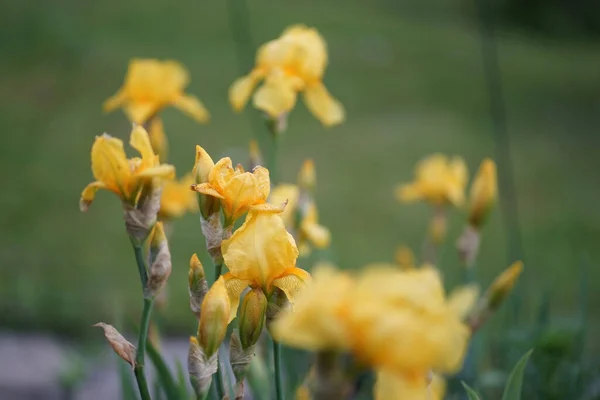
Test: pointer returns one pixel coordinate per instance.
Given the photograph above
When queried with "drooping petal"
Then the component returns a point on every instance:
(390, 386)
(109, 162)
(89, 193)
(261, 249)
(192, 106)
(242, 88)
(292, 281)
(140, 141)
(115, 101)
(408, 193)
(319, 101)
(235, 287)
(140, 112)
(158, 138)
(275, 97)
(175, 77)
(206, 189)
(163, 171)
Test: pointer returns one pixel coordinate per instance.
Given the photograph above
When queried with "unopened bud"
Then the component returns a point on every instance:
(307, 178)
(484, 192)
(140, 219)
(160, 262)
(214, 234)
(240, 358)
(158, 138)
(255, 156)
(197, 285)
(405, 258)
(252, 316)
(468, 245)
(214, 317)
(503, 284)
(120, 345)
(277, 303)
(201, 368)
(209, 205)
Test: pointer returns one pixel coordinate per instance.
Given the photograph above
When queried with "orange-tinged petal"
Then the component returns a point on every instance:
(235, 287)
(89, 193)
(323, 106)
(192, 106)
(292, 281)
(206, 189)
(242, 88)
(220, 175)
(140, 141)
(109, 163)
(163, 171)
(260, 250)
(140, 112)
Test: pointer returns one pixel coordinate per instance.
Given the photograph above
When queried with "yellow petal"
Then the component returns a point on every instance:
(158, 138)
(141, 112)
(286, 193)
(206, 189)
(391, 386)
(462, 300)
(268, 208)
(88, 194)
(234, 287)
(291, 281)
(163, 171)
(114, 101)
(109, 163)
(140, 141)
(408, 193)
(318, 235)
(220, 174)
(192, 106)
(275, 97)
(263, 182)
(323, 106)
(260, 250)
(241, 89)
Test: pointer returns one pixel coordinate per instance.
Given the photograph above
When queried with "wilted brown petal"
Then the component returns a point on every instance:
(120, 345)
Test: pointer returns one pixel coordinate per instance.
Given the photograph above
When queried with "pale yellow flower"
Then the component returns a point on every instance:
(304, 222)
(401, 387)
(295, 62)
(150, 85)
(398, 322)
(484, 192)
(238, 190)
(262, 254)
(438, 181)
(124, 177)
(463, 299)
(177, 198)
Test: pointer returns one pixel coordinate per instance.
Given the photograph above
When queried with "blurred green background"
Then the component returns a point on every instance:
(411, 79)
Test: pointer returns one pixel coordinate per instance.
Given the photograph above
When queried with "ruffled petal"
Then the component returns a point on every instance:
(88, 195)
(109, 162)
(323, 106)
(241, 89)
(263, 182)
(292, 281)
(268, 208)
(208, 190)
(235, 287)
(221, 174)
(193, 107)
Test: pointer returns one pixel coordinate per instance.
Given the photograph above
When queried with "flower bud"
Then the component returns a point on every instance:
(160, 262)
(197, 285)
(503, 284)
(251, 317)
(209, 205)
(200, 368)
(214, 318)
(307, 177)
(240, 358)
(255, 156)
(405, 258)
(140, 219)
(120, 345)
(484, 192)
(277, 303)
(214, 234)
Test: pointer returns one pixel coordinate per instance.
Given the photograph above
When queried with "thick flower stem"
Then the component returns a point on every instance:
(140, 375)
(277, 362)
(218, 381)
(139, 258)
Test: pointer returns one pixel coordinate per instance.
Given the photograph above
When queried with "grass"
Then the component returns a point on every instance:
(411, 80)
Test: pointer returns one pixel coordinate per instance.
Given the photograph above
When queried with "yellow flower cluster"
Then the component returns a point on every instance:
(295, 62)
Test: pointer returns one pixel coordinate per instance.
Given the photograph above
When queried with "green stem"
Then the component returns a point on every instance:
(141, 264)
(277, 362)
(140, 376)
(273, 157)
(218, 381)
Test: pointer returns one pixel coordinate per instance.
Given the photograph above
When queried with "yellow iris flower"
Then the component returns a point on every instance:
(398, 322)
(177, 198)
(295, 62)
(438, 180)
(306, 225)
(124, 177)
(150, 85)
(484, 192)
(262, 254)
(238, 190)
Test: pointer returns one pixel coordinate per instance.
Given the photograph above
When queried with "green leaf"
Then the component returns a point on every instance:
(512, 390)
(162, 371)
(182, 379)
(470, 392)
